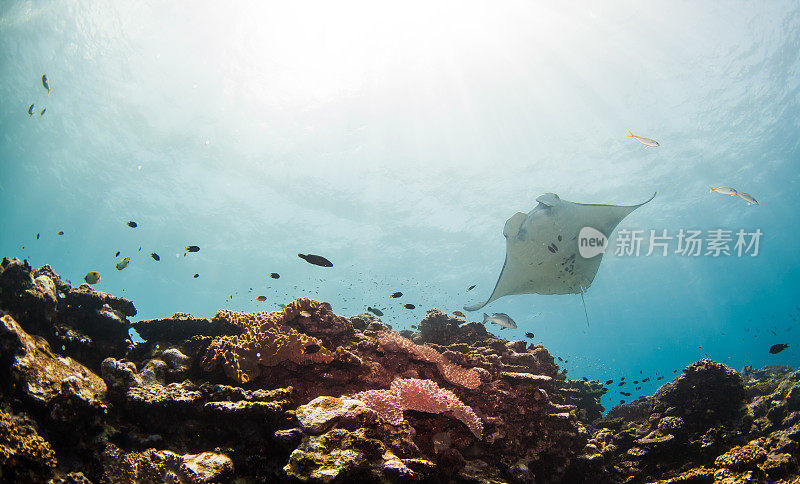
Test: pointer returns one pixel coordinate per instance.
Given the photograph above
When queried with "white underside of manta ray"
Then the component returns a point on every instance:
(542, 254)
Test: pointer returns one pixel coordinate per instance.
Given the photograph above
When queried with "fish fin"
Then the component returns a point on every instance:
(711, 189)
(629, 133)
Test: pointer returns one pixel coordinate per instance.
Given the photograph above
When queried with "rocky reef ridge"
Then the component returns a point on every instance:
(305, 395)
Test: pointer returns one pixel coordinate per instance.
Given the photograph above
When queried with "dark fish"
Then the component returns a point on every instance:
(414, 326)
(396, 294)
(131, 224)
(559, 358)
(261, 298)
(471, 288)
(621, 383)
(775, 349)
(155, 256)
(674, 371)
(626, 394)
(621, 402)
(609, 382)
(46, 84)
(117, 254)
(30, 110)
(192, 248)
(317, 260)
(375, 311)
(274, 275)
(459, 314)
(37, 236)
(646, 380)
(635, 382)
(660, 378)
(409, 306)
(585, 379)
(42, 113)
(311, 349)
(60, 232)
(529, 335)
(196, 276)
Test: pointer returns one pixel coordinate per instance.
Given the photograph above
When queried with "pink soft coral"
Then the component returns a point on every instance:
(422, 396)
(467, 378)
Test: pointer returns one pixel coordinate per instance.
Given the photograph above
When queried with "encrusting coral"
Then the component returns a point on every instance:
(422, 396)
(266, 341)
(455, 374)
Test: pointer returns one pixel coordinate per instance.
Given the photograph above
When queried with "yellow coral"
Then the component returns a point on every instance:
(267, 341)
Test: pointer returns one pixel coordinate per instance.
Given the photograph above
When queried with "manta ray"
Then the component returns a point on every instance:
(542, 252)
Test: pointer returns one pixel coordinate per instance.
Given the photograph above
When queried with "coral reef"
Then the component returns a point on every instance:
(422, 396)
(304, 395)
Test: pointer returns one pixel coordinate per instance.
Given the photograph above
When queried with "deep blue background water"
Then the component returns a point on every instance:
(396, 141)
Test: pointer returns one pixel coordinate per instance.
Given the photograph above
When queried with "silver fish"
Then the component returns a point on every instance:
(501, 319)
(724, 190)
(748, 198)
(643, 140)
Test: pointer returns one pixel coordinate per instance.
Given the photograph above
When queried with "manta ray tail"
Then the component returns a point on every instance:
(584, 308)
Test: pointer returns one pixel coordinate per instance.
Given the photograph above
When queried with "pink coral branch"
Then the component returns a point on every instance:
(455, 374)
(422, 396)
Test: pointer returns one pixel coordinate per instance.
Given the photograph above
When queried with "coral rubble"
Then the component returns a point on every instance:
(305, 395)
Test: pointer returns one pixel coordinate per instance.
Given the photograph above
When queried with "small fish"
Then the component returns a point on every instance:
(317, 260)
(192, 248)
(305, 314)
(626, 394)
(414, 326)
(660, 378)
(375, 311)
(775, 349)
(748, 198)
(46, 84)
(396, 294)
(123, 263)
(131, 224)
(92, 277)
(529, 335)
(42, 112)
(646, 380)
(674, 371)
(621, 383)
(501, 319)
(311, 349)
(117, 254)
(585, 379)
(274, 275)
(609, 382)
(196, 276)
(37, 236)
(60, 232)
(459, 314)
(30, 110)
(724, 190)
(261, 298)
(471, 287)
(645, 141)
(155, 256)
(559, 359)
(409, 306)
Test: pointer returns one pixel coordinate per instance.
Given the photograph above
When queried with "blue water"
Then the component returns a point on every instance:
(396, 140)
